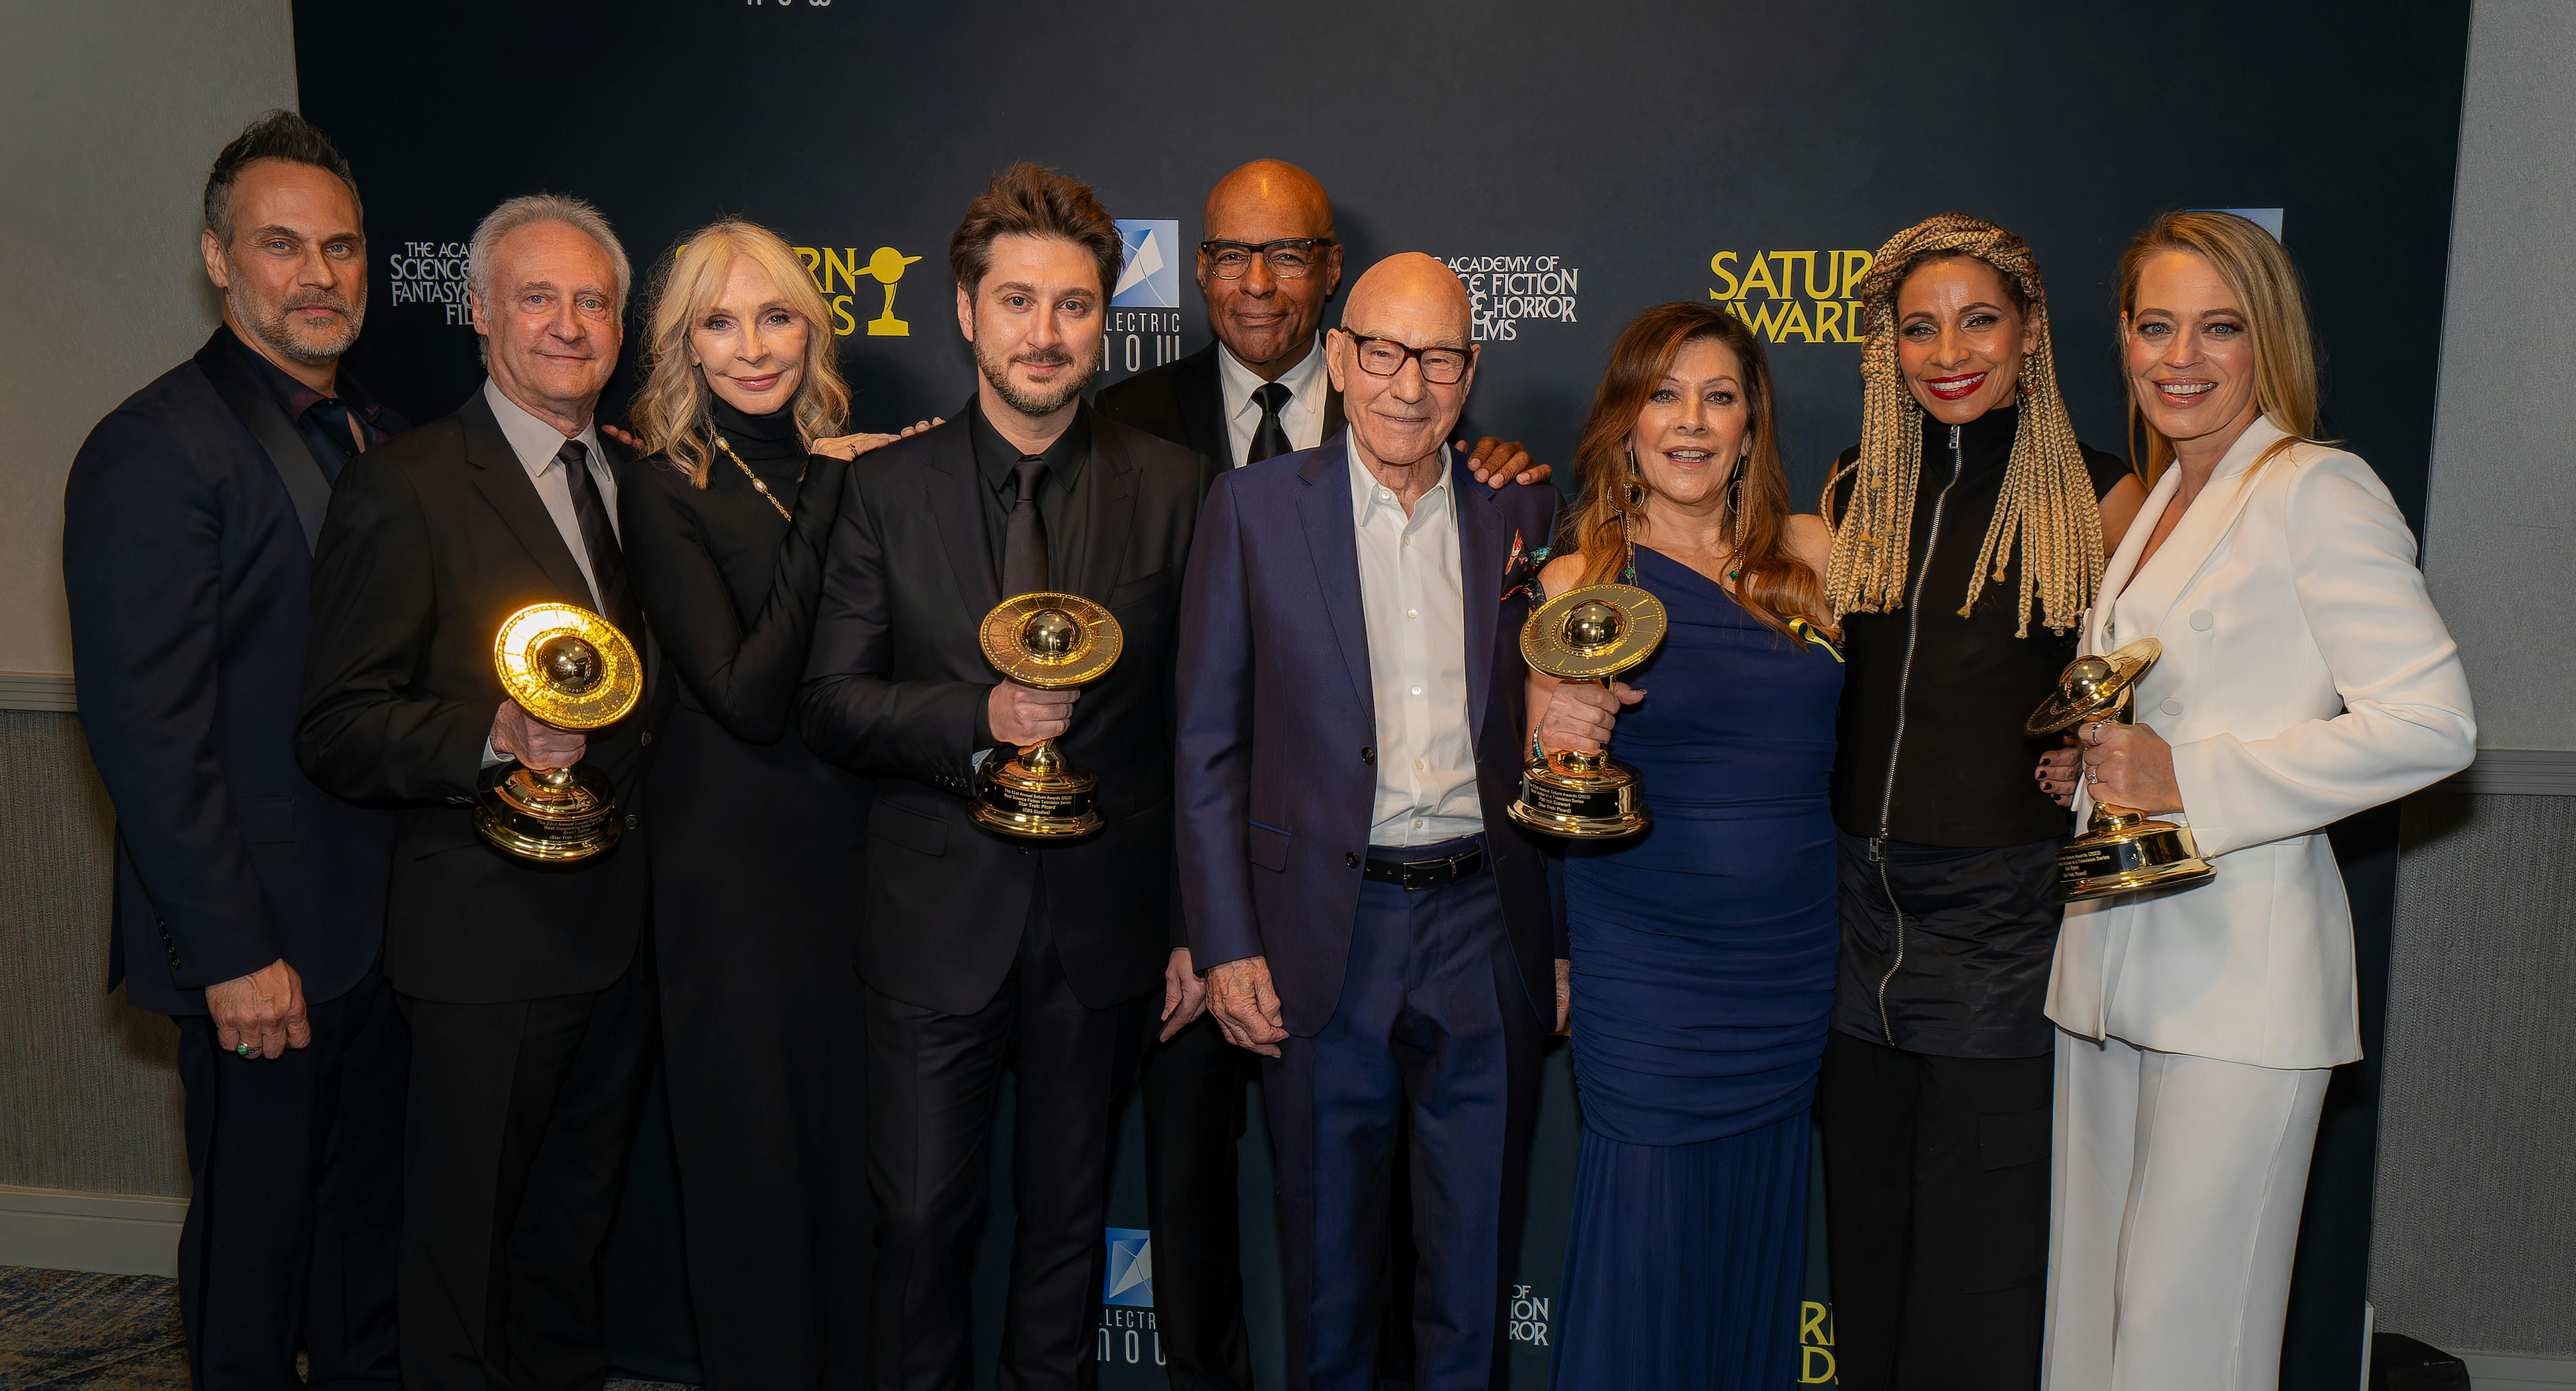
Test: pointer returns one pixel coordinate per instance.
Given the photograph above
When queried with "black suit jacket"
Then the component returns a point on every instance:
(1184, 402)
(896, 680)
(186, 564)
(432, 540)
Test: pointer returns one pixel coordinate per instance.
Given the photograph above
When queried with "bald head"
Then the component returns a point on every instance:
(1265, 200)
(1412, 299)
(1399, 420)
(1268, 322)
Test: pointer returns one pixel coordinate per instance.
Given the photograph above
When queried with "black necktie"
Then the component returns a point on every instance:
(1269, 437)
(1024, 547)
(607, 563)
(336, 420)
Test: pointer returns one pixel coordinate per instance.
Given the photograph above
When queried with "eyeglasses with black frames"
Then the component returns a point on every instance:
(1290, 258)
(1384, 357)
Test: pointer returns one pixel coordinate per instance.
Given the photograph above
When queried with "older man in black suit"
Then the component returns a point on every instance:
(529, 987)
(249, 903)
(980, 952)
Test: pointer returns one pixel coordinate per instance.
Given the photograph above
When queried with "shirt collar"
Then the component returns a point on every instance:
(1239, 381)
(292, 396)
(1366, 490)
(996, 457)
(533, 440)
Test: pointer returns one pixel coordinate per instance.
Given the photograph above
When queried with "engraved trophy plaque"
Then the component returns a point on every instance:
(1590, 633)
(1050, 641)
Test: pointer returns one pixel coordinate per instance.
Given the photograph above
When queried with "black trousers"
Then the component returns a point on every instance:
(1194, 1115)
(291, 1232)
(521, 1115)
(933, 1082)
(1936, 1212)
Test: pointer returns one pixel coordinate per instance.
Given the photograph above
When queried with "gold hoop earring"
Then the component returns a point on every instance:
(1636, 484)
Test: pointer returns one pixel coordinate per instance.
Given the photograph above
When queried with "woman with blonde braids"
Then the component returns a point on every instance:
(1969, 529)
(753, 837)
(1703, 948)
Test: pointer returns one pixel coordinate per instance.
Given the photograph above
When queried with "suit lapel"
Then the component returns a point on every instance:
(1111, 505)
(1202, 406)
(2124, 561)
(503, 482)
(1480, 564)
(1324, 509)
(308, 488)
(2197, 537)
(951, 487)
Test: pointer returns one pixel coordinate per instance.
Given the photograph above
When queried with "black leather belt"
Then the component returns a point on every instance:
(1416, 876)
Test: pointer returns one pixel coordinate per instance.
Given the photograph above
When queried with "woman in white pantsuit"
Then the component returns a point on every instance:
(2305, 677)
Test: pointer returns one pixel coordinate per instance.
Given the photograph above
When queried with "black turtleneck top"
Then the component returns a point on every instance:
(728, 584)
(1945, 762)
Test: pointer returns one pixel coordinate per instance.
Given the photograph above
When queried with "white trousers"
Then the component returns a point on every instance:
(2174, 1198)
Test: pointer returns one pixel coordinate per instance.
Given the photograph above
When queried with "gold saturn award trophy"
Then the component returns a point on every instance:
(1050, 641)
(572, 669)
(1590, 633)
(2122, 851)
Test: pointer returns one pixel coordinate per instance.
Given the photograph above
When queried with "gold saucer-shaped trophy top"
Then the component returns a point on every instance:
(2093, 688)
(572, 669)
(1050, 641)
(1591, 633)
(2123, 850)
(567, 666)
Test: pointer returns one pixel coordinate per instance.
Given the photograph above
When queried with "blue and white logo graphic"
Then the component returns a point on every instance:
(1130, 1280)
(1152, 277)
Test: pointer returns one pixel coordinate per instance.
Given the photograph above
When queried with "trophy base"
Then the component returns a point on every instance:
(553, 816)
(1581, 798)
(2129, 859)
(1052, 803)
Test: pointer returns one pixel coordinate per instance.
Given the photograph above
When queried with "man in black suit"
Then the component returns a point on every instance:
(1269, 266)
(978, 951)
(529, 988)
(249, 903)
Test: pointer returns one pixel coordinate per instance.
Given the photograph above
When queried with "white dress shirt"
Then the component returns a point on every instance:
(535, 442)
(1415, 608)
(1302, 417)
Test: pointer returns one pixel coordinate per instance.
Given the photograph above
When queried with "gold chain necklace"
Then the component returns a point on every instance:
(771, 498)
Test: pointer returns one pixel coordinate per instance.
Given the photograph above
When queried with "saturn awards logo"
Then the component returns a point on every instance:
(838, 271)
(1144, 328)
(1127, 1332)
(1793, 296)
(430, 272)
(1504, 292)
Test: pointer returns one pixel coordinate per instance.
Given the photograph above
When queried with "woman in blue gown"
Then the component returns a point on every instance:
(1703, 946)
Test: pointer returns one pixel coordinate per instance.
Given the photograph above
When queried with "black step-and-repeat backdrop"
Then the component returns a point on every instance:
(1573, 163)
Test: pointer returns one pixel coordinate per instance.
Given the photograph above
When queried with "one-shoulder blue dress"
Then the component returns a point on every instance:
(1703, 978)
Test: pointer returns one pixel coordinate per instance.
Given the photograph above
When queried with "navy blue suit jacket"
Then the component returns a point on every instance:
(187, 566)
(1278, 724)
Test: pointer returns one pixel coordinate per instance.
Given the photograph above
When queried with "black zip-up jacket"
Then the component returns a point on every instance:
(1932, 757)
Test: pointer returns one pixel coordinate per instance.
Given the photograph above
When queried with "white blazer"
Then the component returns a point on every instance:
(2305, 677)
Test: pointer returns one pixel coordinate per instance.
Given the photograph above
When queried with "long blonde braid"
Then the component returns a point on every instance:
(2047, 503)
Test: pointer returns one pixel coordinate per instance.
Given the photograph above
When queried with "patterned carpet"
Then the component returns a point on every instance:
(79, 1332)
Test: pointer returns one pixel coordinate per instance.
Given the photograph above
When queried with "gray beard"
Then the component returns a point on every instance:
(274, 330)
(997, 372)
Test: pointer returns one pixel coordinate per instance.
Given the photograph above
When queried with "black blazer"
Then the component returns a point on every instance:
(186, 564)
(897, 678)
(432, 540)
(1184, 402)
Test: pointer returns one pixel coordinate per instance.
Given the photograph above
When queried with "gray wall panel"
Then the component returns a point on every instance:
(2477, 1143)
(88, 1097)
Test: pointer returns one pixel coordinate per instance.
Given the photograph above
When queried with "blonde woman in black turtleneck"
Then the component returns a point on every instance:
(1970, 531)
(753, 838)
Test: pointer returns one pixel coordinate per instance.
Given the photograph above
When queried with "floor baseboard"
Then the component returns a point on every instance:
(2495, 1371)
(106, 1233)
